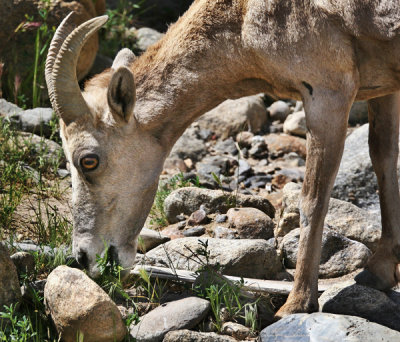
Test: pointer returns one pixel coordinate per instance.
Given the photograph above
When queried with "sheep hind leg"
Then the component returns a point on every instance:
(327, 115)
(382, 271)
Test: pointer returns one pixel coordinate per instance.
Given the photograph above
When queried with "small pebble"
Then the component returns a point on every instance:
(220, 218)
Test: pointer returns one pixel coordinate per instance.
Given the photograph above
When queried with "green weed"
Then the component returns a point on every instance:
(25, 85)
(116, 35)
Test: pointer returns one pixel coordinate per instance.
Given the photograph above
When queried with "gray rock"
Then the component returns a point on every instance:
(226, 146)
(259, 148)
(45, 251)
(189, 146)
(187, 200)
(343, 217)
(327, 327)
(210, 165)
(224, 233)
(354, 223)
(251, 223)
(149, 239)
(24, 262)
(246, 258)
(9, 110)
(352, 299)
(47, 148)
(356, 180)
(36, 120)
(221, 218)
(234, 116)
(296, 124)
(340, 255)
(279, 110)
(10, 291)
(194, 231)
(146, 37)
(78, 305)
(244, 168)
(195, 336)
(181, 314)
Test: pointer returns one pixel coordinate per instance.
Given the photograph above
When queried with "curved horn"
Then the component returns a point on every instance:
(62, 32)
(68, 101)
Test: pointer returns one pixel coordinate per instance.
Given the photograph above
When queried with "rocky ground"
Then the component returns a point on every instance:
(227, 205)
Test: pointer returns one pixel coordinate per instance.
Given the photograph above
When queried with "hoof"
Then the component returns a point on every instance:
(367, 278)
(290, 308)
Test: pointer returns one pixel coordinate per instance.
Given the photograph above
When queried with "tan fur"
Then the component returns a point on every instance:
(326, 53)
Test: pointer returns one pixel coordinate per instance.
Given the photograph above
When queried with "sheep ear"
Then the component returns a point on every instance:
(124, 57)
(121, 93)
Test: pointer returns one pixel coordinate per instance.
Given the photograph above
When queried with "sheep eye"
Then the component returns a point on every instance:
(89, 162)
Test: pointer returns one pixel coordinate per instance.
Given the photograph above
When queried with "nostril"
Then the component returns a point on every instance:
(82, 259)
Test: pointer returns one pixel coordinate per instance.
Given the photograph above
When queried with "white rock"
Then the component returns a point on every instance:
(296, 124)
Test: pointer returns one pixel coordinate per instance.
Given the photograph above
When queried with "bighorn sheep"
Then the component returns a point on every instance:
(119, 130)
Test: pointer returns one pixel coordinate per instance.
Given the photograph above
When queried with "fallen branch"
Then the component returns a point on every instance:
(253, 285)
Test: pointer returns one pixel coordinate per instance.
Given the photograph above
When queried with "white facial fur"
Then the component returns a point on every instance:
(110, 203)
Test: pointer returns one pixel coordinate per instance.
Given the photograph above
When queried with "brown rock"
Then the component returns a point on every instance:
(280, 144)
(234, 116)
(187, 200)
(236, 330)
(251, 223)
(244, 138)
(10, 291)
(78, 305)
(173, 231)
(198, 217)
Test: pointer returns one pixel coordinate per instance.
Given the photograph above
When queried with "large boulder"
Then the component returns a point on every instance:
(180, 314)
(327, 327)
(340, 255)
(356, 180)
(242, 258)
(342, 217)
(188, 200)
(79, 307)
(349, 298)
(234, 116)
(10, 291)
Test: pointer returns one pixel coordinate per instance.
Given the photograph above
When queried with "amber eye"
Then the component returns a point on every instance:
(89, 162)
